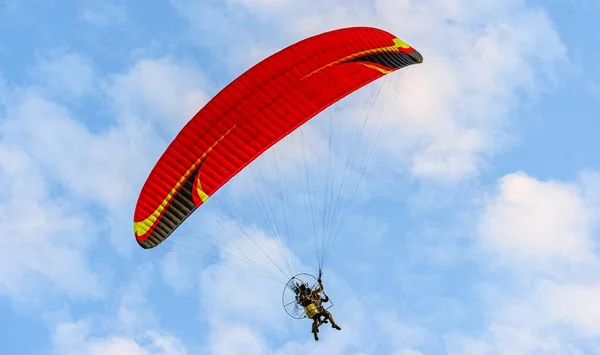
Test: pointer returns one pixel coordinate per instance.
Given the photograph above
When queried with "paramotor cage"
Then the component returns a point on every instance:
(290, 299)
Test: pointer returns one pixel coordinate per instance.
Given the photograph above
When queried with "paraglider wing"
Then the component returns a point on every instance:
(255, 111)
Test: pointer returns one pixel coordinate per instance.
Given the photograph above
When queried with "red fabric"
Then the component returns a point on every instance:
(259, 108)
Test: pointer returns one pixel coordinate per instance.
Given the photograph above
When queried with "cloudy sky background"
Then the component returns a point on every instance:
(476, 227)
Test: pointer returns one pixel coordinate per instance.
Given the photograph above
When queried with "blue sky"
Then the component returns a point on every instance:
(474, 231)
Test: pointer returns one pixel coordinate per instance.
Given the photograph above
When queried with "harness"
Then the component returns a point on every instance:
(310, 308)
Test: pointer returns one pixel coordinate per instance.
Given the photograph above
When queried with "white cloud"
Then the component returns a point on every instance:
(545, 296)
(535, 221)
(572, 304)
(106, 167)
(261, 294)
(134, 313)
(75, 339)
(52, 166)
(402, 336)
(518, 340)
(159, 91)
(177, 272)
(132, 329)
(42, 250)
(55, 139)
(236, 339)
(64, 75)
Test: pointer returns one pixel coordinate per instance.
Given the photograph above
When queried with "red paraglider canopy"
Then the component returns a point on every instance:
(255, 111)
